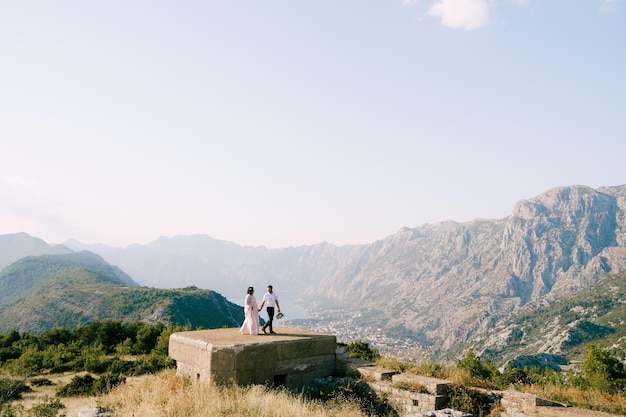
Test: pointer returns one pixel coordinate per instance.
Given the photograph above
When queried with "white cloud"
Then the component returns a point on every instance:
(609, 6)
(464, 14)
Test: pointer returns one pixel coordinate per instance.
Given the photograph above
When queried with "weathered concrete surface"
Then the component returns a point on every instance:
(434, 386)
(292, 357)
(432, 395)
(375, 373)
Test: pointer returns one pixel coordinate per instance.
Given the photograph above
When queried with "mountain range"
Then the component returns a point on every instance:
(65, 289)
(447, 285)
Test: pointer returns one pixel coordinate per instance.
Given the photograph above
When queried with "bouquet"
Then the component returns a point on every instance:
(280, 315)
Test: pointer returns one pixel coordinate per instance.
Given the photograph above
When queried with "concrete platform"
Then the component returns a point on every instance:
(292, 357)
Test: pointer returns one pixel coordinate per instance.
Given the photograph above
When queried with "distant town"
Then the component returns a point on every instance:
(348, 328)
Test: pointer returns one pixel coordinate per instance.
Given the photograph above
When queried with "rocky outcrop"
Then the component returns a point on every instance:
(450, 280)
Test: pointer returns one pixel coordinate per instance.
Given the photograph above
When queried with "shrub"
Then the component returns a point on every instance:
(11, 389)
(514, 376)
(117, 366)
(470, 401)
(7, 353)
(432, 369)
(55, 337)
(10, 411)
(163, 341)
(79, 386)
(602, 371)
(476, 368)
(392, 363)
(41, 382)
(362, 350)
(83, 386)
(151, 364)
(107, 382)
(147, 338)
(47, 408)
(12, 337)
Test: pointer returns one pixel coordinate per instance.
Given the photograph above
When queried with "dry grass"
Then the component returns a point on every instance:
(431, 369)
(170, 395)
(411, 386)
(594, 400)
(39, 394)
(392, 364)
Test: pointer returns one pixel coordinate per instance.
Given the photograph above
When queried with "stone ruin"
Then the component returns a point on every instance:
(431, 400)
(292, 358)
(295, 358)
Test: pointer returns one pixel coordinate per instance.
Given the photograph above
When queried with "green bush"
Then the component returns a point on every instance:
(94, 358)
(152, 364)
(476, 368)
(10, 338)
(7, 353)
(602, 371)
(470, 401)
(79, 386)
(41, 382)
(7, 410)
(47, 408)
(117, 366)
(362, 350)
(55, 337)
(86, 348)
(432, 369)
(163, 341)
(106, 383)
(147, 337)
(514, 376)
(83, 386)
(11, 389)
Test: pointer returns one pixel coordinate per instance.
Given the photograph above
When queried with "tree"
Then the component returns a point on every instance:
(602, 371)
(474, 366)
(10, 338)
(163, 342)
(147, 337)
(55, 337)
(362, 350)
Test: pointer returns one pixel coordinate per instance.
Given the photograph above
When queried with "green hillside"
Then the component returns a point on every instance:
(46, 292)
(21, 277)
(595, 314)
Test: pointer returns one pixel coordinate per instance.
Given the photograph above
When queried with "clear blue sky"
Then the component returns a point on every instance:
(283, 123)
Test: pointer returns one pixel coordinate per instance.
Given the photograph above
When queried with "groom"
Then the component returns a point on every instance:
(272, 300)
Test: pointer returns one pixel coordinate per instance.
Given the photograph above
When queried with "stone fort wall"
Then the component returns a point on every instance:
(292, 357)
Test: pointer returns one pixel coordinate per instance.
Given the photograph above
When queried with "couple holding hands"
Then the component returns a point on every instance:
(251, 310)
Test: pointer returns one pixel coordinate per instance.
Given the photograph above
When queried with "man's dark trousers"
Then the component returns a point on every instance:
(270, 321)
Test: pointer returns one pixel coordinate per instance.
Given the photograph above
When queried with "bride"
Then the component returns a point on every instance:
(251, 311)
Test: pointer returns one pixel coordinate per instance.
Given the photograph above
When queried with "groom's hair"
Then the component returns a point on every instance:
(269, 286)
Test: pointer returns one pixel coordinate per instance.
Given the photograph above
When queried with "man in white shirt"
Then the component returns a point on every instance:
(271, 299)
